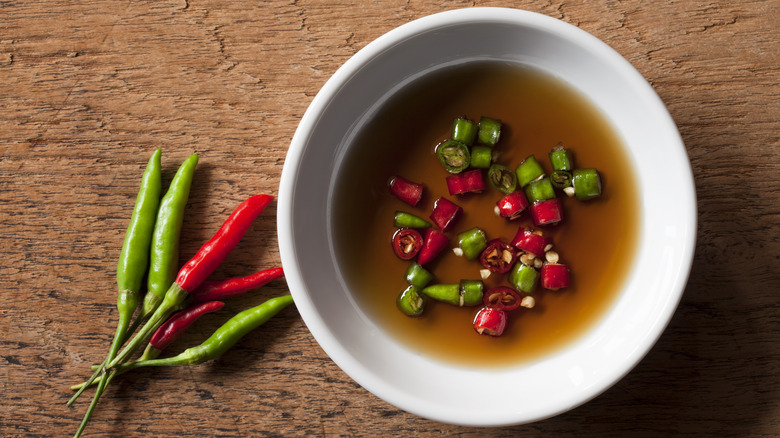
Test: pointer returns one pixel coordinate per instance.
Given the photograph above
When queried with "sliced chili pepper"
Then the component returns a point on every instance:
(471, 292)
(524, 277)
(403, 219)
(561, 179)
(498, 256)
(561, 159)
(411, 302)
(529, 170)
(502, 298)
(549, 212)
(511, 206)
(587, 183)
(472, 242)
(418, 276)
(539, 190)
(502, 178)
(178, 323)
(489, 131)
(530, 241)
(467, 293)
(490, 321)
(464, 130)
(555, 276)
(467, 182)
(407, 243)
(220, 290)
(434, 243)
(481, 156)
(446, 293)
(454, 156)
(405, 190)
(445, 213)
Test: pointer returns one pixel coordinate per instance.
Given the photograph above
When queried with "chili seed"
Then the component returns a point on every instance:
(528, 302)
(551, 256)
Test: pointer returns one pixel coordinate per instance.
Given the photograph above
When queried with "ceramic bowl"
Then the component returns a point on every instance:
(447, 392)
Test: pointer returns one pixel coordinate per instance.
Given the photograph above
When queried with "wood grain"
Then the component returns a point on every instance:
(88, 89)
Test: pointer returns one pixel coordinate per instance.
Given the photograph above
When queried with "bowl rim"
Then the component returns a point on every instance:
(312, 318)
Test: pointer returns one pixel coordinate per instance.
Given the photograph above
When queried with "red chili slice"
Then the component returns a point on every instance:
(530, 241)
(466, 182)
(502, 298)
(548, 212)
(407, 243)
(498, 256)
(512, 205)
(434, 244)
(405, 190)
(445, 212)
(490, 321)
(555, 276)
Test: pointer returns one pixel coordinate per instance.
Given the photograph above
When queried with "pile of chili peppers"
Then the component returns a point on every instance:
(175, 298)
(528, 259)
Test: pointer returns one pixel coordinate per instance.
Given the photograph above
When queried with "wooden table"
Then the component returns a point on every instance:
(88, 89)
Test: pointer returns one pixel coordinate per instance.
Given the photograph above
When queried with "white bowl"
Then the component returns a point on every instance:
(448, 392)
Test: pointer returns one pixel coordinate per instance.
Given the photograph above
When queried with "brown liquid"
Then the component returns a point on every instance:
(597, 239)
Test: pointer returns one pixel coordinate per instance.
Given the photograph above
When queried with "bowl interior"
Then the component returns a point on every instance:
(451, 393)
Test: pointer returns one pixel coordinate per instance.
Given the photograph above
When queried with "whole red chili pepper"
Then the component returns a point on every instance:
(220, 290)
(214, 252)
(178, 323)
(195, 271)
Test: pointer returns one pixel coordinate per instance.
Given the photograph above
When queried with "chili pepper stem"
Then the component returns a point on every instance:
(104, 381)
(173, 298)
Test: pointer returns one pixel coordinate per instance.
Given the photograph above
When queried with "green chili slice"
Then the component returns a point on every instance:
(410, 302)
(481, 156)
(403, 219)
(464, 130)
(539, 190)
(489, 131)
(418, 276)
(454, 156)
(472, 242)
(561, 179)
(447, 293)
(528, 170)
(587, 183)
(466, 293)
(502, 178)
(471, 292)
(524, 277)
(560, 158)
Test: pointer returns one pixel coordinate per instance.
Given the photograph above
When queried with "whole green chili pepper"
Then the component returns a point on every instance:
(134, 257)
(224, 337)
(165, 240)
